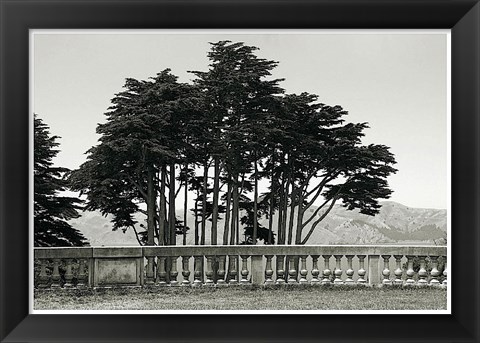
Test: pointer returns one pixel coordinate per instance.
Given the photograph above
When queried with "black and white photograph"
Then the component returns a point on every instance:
(240, 171)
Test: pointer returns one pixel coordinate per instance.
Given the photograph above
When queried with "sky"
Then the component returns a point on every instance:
(397, 82)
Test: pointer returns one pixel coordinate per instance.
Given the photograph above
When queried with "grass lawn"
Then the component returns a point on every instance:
(244, 298)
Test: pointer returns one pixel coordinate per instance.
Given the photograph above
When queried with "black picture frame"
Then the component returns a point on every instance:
(18, 16)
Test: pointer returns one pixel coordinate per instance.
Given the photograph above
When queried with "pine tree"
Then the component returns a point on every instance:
(52, 211)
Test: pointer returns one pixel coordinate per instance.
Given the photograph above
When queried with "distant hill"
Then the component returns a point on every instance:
(395, 224)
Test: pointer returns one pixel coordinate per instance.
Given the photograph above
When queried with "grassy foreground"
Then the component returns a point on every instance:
(241, 298)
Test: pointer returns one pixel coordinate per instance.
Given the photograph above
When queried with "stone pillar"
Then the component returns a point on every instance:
(257, 275)
(373, 270)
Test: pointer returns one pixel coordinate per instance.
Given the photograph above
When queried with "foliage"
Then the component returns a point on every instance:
(51, 210)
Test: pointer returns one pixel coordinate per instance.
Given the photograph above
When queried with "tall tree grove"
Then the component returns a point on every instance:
(238, 148)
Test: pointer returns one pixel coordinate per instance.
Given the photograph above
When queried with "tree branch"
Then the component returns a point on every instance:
(139, 188)
(314, 225)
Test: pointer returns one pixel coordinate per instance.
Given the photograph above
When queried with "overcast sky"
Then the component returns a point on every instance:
(395, 82)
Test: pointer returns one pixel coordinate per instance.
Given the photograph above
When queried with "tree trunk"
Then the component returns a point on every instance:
(185, 205)
(227, 212)
(216, 191)
(204, 202)
(234, 228)
(255, 201)
(151, 206)
(197, 238)
(301, 211)
(162, 213)
(292, 213)
(171, 205)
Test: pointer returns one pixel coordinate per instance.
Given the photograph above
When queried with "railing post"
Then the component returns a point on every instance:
(444, 282)
(349, 272)
(150, 277)
(82, 276)
(303, 270)
(185, 271)
(197, 274)
(268, 271)
(161, 271)
(174, 272)
(209, 272)
(373, 270)
(232, 260)
(338, 270)
(422, 273)
(292, 272)
(398, 271)
(315, 271)
(258, 272)
(326, 271)
(43, 277)
(56, 273)
(410, 272)
(386, 270)
(434, 273)
(280, 259)
(68, 274)
(244, 272)
(221, 271)
(361, 272)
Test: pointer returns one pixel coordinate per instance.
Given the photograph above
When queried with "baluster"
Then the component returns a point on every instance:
(268, 270)
(68, 274)
(435, 272)
(361, 272)
(398, 270)
(303, 270)
(197, 274)
(173, 272)
(326, 271)
(444, 282)
(161, 271)
(56, 273)
(280, 270)
(386, 270)
(221, 271)
(349, 272)
(315, 271)
(185, 271)
(209, 272)
(150, 275)
(338, 270)
(233, 270)
(422, 273)
(410, 272)
(244, 272)
(43, 277)
(292, 272)
(82, 276)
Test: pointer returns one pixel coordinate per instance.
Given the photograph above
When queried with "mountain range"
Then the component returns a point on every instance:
(394, 224)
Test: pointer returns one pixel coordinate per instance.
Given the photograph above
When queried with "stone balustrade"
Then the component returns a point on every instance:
(209, 266)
